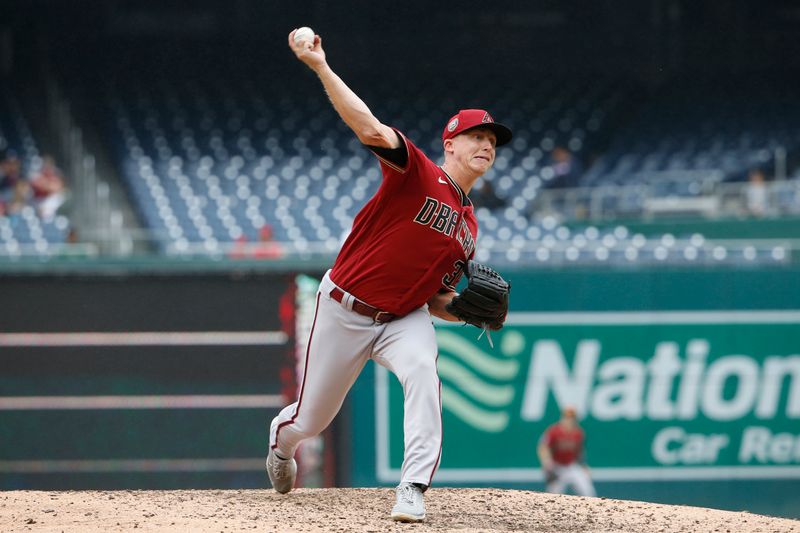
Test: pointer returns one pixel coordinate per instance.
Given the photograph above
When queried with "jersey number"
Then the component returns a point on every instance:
(450, 280)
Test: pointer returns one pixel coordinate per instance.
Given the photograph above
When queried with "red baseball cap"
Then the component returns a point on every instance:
(467, 119)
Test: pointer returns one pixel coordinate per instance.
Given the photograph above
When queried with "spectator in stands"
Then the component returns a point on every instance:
(49, 188)
(566, 167)
(9, 177)
(756, 193)
(265, 248)
(20, 197)
(484, 196)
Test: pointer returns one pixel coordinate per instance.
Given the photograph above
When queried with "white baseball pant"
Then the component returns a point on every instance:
(340, 343)
(572, 474)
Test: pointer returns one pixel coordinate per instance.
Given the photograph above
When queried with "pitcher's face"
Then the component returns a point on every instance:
(474, 149)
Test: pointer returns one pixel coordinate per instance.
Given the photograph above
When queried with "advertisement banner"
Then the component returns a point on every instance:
(667, 395)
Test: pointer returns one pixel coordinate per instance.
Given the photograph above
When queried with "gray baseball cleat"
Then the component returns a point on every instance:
(410, 506)
(282, 472)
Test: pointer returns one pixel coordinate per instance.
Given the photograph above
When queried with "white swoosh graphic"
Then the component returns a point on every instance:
(474, 416)
(498, 369)
(492, 395)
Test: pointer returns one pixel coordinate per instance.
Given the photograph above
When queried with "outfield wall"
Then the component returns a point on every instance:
(119, 380)
(687, 383)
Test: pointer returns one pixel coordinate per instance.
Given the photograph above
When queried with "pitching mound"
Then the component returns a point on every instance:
(360, 510)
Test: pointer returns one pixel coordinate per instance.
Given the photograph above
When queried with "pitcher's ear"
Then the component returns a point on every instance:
(448, 145)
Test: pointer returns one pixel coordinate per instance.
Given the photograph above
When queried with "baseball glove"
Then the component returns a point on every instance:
(484, 303)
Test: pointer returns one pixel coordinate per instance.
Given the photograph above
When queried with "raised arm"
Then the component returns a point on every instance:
(355, 113)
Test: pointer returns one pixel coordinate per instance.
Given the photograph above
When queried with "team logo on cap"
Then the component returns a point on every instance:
(487, 118)
(453, 125)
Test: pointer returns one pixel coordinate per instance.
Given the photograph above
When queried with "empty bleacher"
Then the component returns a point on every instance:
(696, 136)
(210, 163)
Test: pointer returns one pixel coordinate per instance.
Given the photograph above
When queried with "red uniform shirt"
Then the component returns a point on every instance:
(566, 444)
(410, 240)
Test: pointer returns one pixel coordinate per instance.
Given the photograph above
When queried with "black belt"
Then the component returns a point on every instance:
(381, 317)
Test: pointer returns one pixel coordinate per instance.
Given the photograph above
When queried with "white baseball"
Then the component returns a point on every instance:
(304, 34)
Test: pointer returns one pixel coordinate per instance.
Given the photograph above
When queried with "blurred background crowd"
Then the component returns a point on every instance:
(42, 189)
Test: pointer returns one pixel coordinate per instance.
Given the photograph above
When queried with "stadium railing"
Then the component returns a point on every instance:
(704, 198)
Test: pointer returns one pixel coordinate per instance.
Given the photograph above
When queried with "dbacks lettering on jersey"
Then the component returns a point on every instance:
(464, 237)
(440, 217)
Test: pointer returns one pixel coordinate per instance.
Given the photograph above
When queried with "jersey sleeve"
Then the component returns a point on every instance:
(395, 162)
(397, 156)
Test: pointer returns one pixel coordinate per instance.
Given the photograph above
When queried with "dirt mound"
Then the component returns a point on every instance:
(360, 510)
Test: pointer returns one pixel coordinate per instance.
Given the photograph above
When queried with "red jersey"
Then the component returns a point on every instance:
(566, 444)
(410, 240)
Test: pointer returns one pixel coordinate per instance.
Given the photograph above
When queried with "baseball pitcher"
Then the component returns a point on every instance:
(400, 264)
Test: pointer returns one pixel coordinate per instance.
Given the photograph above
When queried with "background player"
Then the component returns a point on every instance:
(399, 265)
(561, 453)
